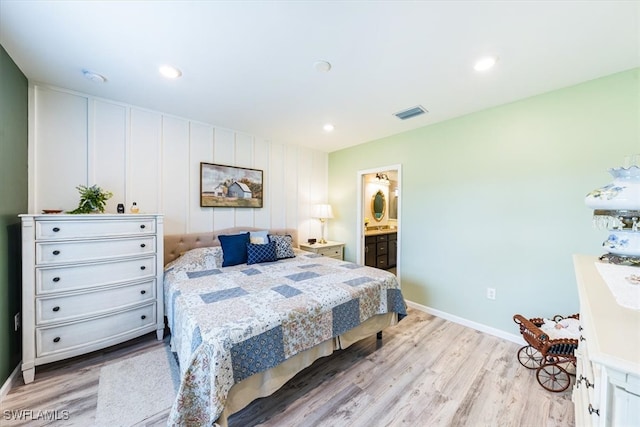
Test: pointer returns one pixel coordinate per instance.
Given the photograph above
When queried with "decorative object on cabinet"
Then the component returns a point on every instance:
(134, 208)
(607, 388)
(92, 199)
(549, 352)
(88, 282)
(617, 208)
(230, 186)
(120, 208)
(378, 205)
(328, 249)
(322, 212)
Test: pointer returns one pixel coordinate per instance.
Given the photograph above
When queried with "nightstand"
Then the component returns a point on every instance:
(329, 249)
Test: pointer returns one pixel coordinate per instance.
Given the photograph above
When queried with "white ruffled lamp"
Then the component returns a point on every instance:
(322, 212)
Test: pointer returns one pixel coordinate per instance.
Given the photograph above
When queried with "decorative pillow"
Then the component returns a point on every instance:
(284, 245)
(257, 253)
(259, 237)
(234, 249)
(198, 259)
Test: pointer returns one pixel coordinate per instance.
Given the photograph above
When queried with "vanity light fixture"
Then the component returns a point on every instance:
(382, 178)
(485, 63)
(170, 72)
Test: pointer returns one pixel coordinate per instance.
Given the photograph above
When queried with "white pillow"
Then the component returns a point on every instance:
(198, 259)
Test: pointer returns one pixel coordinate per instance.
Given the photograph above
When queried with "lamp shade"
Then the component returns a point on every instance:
(322, 211)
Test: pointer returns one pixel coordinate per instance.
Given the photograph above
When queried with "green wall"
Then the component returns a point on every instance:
(13, 201)
(496, 198)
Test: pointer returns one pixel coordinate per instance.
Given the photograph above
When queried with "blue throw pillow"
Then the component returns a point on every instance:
(284, 245)
(257, 253)
(234, 249)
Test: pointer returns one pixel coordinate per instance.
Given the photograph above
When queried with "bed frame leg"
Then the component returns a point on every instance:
(379, 335)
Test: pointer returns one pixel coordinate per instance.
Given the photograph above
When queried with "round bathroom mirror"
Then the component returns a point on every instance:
(378, 205)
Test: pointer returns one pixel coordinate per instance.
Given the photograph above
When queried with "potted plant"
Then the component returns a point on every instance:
(92, 199)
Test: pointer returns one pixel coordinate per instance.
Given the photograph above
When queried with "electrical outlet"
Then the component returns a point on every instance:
(491, 293)
(16, 321)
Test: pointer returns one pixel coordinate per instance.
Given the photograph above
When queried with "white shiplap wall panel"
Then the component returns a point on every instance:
(262, 218)
(175, 174)
(304, 191)
(108, 143)
(154, 159)
(291, 186)
(200, 150)
(144, 160)
(276, 182)
(223, 154)
(244, 158)
(60, 149)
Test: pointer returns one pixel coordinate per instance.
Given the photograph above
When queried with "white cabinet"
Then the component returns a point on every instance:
(607, 388)
(88, 282)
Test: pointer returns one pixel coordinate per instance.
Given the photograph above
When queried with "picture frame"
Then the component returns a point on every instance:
(224, 186)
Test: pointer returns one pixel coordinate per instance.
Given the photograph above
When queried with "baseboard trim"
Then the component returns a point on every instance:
(465, 322)
(13, 378)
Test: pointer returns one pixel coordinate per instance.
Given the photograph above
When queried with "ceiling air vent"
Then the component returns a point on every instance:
(411, 112)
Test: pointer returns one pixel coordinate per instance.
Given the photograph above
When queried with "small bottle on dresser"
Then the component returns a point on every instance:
(134, 208)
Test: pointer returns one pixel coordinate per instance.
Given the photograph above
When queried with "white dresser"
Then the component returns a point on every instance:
(607, 388)
(88, 282)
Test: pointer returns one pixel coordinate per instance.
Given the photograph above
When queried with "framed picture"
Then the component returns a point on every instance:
(223, 186)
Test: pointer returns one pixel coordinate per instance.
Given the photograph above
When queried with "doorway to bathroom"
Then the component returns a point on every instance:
(379, 217)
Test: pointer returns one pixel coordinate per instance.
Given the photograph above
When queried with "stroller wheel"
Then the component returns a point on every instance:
(553, 378)
(529, 357)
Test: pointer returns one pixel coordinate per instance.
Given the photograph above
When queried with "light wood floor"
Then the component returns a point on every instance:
(426, 372)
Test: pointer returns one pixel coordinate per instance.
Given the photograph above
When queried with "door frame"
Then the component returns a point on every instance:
(360, 209)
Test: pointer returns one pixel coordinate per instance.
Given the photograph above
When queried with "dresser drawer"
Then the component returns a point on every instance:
(60, 229)
(93, 303)
(61, 252)
(334, 252)
(58, 339)
(85, 276)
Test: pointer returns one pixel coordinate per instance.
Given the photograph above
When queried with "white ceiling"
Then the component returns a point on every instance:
(248, 66)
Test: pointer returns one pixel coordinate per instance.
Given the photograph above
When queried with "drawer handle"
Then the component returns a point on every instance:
(56, 339)
(143, 267)
(143, 292)
(56, 252)
(593, 411)
(142, 245)
(143, 317)
(56, 308)
(56, 279)
(142, 226)
(56, 229)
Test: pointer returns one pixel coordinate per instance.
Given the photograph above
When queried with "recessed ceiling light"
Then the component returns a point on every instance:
(170, 72)
(322, 66)
(328, 127)
(485, 63)
(94, 77)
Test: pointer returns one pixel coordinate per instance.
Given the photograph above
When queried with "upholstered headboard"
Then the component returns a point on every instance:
(177, 244)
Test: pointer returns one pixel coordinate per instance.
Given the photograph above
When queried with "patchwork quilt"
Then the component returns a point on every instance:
(228, 323)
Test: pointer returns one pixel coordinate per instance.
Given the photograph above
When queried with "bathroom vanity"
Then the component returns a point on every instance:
(380, 248)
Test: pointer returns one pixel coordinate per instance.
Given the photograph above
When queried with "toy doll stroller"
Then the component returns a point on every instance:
(552, 358)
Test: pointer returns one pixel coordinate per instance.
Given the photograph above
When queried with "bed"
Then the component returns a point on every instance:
(241, 331)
